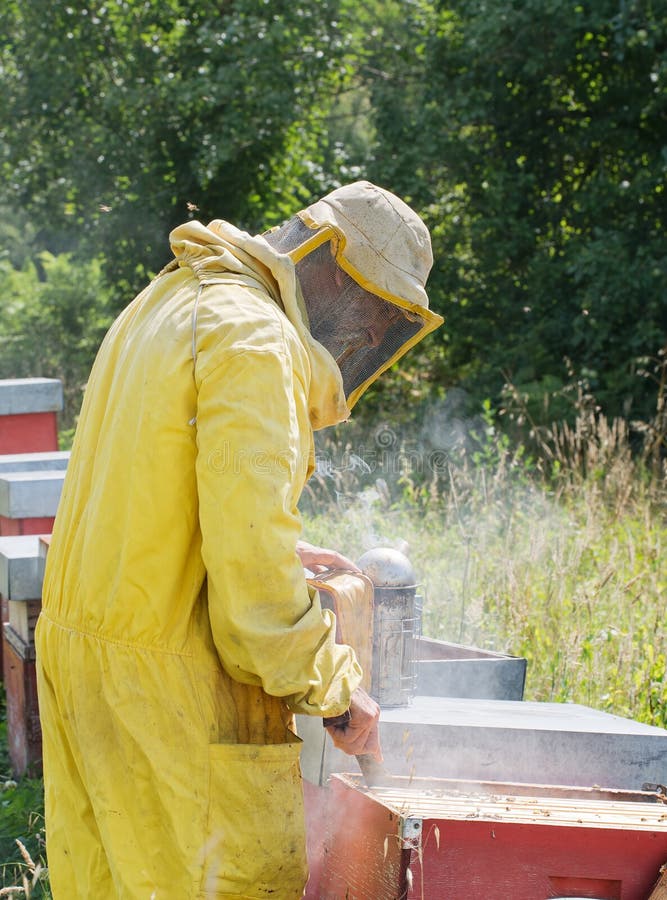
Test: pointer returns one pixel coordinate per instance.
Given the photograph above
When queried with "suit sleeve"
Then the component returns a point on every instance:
(254, 442)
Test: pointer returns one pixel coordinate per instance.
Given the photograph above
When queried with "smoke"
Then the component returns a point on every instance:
(479, 529)
(451, 493)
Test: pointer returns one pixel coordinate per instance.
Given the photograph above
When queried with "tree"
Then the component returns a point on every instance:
(532, 134)
(54, 315)
(122, 118)
(529, 133)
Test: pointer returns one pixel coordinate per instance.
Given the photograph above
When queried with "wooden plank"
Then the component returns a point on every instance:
(363, 853)
(497, 807)
(23, 615)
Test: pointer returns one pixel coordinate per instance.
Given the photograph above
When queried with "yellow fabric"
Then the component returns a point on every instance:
(178, 634)
(251, 261)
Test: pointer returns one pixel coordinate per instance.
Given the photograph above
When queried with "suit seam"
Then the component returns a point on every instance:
(129, 645)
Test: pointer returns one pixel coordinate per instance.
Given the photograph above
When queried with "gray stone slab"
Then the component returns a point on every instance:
(30, 395)
(497, 740)
(25, 495)
(33, 462)
(20, 577)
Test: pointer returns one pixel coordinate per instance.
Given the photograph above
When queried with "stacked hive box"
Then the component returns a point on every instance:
(486, 795)
(31, 477)
(29, 495)
(28, 425)
(30, 486)
(21, 588)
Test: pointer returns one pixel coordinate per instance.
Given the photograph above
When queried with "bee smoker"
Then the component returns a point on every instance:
(396, 625)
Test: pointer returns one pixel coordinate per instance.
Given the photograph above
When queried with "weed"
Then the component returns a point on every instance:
(21, 829)
(557, 555)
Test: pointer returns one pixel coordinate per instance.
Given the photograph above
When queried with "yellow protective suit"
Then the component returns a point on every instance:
(178, 635)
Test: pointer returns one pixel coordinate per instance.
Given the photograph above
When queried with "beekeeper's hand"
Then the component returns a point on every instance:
(318, 559)
(360, 734)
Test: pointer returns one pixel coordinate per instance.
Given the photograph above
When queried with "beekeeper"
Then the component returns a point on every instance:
(178, 635)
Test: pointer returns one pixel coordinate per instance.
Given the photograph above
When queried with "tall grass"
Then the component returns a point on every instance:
(557, 557)
(23, 871)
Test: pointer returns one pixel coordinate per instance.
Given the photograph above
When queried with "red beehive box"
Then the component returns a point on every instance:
(28, 414)
(419, 840)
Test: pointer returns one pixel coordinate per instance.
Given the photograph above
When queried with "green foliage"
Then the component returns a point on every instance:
(54, 314)
(532, 135)
(118, 118)
(21, 820)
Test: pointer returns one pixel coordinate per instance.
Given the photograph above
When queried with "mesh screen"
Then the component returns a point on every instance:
(359, 329)
(289, 236)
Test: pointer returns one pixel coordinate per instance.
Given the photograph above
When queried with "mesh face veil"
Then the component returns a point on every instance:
(364, 325)
(362, 331)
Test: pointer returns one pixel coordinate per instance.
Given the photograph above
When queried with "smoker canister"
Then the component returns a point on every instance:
(396, 625)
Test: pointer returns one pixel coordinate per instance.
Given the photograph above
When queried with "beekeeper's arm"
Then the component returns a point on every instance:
(254, 446)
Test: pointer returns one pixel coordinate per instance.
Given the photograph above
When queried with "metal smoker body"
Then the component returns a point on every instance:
(396, 625)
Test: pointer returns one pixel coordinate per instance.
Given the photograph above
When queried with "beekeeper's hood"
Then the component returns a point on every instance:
(362, 258)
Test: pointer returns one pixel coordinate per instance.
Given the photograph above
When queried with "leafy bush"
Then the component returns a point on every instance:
(54, 314)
